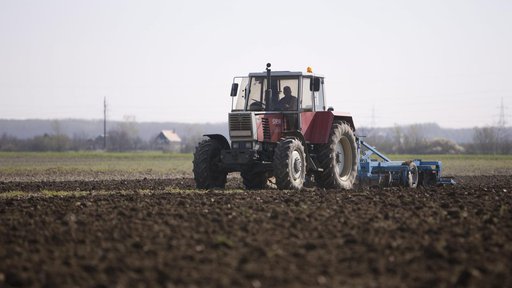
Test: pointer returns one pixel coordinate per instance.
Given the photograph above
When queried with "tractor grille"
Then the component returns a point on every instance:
(266, 128)
(240, 124)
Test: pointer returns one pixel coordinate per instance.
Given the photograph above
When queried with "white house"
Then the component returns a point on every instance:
(168, 140)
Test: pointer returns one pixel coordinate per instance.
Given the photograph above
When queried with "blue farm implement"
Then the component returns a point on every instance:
(377, 169)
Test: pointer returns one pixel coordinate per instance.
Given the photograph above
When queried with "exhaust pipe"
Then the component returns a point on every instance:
(268, 92)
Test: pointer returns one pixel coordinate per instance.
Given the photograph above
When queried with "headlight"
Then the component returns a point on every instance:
(235, 145)
(248, 145)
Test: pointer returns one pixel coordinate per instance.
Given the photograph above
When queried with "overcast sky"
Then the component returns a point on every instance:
(443, 61)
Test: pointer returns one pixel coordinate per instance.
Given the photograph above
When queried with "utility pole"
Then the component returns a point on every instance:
(105, 123)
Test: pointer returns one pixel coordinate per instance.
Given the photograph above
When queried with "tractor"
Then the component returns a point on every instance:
(282, 134)
(287, 143)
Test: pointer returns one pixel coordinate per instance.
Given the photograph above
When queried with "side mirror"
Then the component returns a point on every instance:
(315, 85)
(234, 89)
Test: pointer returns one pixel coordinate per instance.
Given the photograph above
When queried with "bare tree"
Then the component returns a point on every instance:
(485, 140)
(125, 136)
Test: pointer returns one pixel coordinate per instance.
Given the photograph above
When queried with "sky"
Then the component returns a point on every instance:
(385, 62)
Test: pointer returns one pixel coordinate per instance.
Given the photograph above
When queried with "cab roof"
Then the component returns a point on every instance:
(284, 73)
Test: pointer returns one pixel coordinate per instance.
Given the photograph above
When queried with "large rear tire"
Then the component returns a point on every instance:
(338, 159)
(207, 171)
(289, 164)
(254, 181)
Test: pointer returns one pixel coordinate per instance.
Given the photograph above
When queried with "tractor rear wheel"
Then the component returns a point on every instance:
(254, 180)
(289, 164)
(207, 171)
(338, 158)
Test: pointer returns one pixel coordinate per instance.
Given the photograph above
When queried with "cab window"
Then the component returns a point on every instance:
(319, 98)
(307, 95)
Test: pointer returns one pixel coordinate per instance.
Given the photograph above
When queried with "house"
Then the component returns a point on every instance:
(168, 140)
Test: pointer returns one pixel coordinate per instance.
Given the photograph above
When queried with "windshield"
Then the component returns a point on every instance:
(284, 94)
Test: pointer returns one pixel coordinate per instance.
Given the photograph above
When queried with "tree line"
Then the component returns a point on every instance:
(402, 140)
(123, 137)
(411, 140)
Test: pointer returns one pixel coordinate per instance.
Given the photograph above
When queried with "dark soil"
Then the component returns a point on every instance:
(138, 233)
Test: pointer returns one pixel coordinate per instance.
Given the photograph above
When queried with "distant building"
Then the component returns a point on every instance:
(169, 141)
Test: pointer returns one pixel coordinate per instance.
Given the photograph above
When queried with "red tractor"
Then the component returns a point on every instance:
(281, 133)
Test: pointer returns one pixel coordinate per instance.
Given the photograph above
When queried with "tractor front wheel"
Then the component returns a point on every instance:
(289, 164)
(207, 171)
(338, 159)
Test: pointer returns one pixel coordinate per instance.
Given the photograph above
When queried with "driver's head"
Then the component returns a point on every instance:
(287, 91)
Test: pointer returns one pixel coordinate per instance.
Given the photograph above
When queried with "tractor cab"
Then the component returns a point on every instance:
(278, 97)
(279, 129)
(288, 92)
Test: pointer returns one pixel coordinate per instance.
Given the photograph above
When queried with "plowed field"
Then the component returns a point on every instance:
(162, 232)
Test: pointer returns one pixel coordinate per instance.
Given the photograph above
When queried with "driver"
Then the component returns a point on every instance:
(288, 102)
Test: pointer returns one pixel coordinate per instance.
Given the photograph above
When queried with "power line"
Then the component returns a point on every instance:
(501, 132)
(105, 123)
(502, 121)
(372, 123)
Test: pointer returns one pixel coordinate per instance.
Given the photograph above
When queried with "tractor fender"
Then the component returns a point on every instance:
(295, 134)
(345, 117)
(316, 126)
(222, 140)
